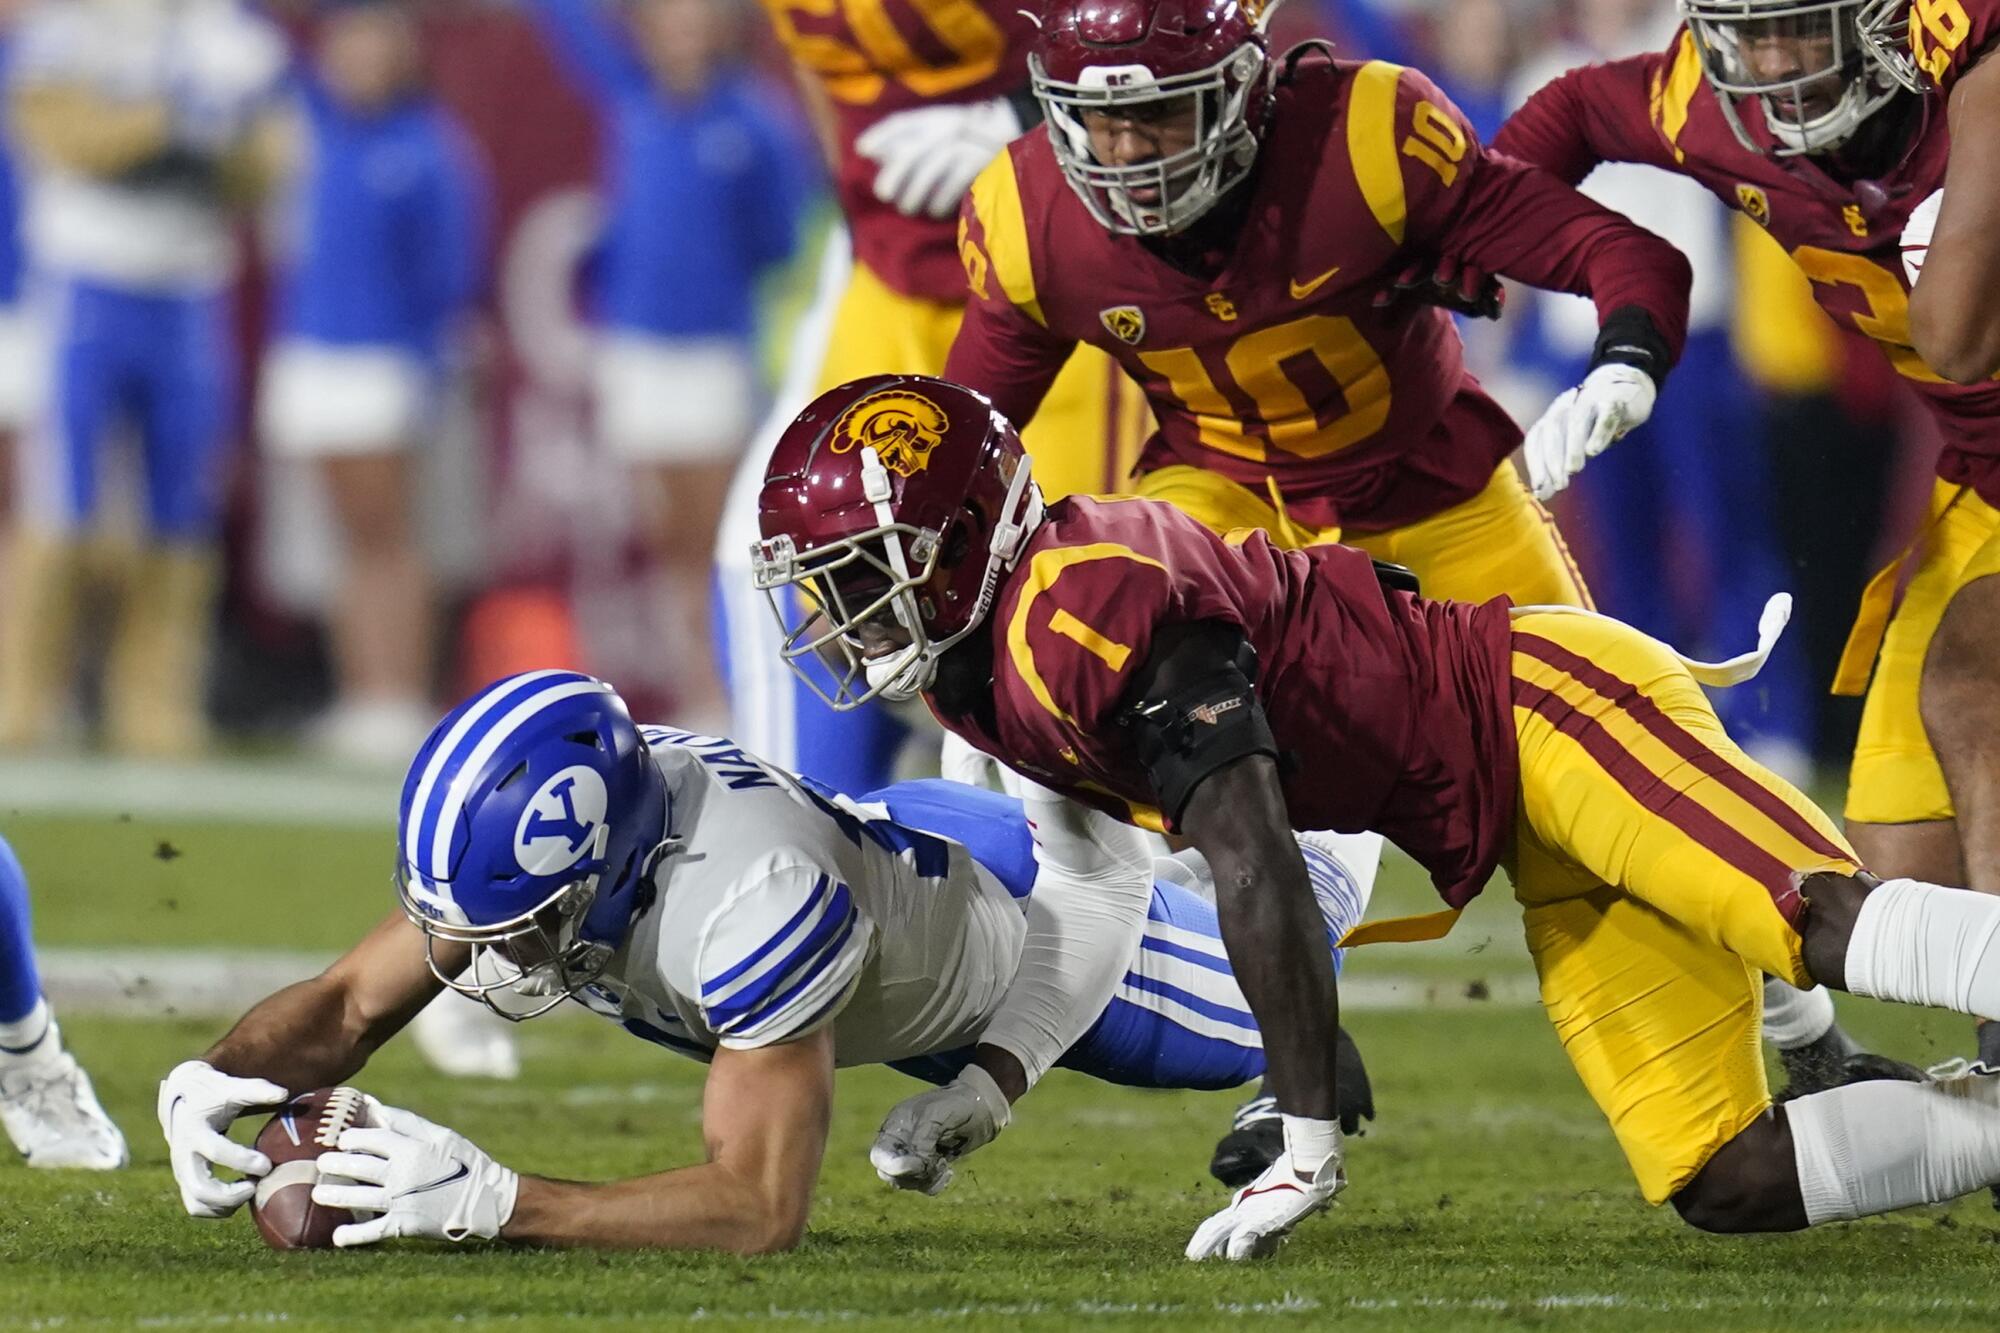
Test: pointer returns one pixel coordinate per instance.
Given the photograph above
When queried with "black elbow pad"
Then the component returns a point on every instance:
(1186, 730)
(1397, 578)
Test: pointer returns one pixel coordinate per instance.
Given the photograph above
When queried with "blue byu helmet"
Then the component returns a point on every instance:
(529, 821)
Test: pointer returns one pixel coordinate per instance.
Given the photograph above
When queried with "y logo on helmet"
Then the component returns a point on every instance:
(1127, 323)
(901, 427)
(556, 829)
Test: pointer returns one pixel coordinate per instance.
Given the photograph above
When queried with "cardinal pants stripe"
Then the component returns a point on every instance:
(1646, 712)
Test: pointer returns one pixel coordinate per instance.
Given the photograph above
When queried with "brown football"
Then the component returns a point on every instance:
(306, 1126)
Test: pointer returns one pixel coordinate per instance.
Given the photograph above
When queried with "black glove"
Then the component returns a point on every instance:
(1463, 289)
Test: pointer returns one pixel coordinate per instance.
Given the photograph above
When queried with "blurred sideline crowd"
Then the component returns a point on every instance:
(356, 353)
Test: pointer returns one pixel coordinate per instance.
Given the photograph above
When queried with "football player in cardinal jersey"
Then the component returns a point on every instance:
(1232, 691)
(761, 923)
(912, 98)
(1829, 124)
(1224, 224)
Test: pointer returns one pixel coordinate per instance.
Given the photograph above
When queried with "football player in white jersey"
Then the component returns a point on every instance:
(724, 909)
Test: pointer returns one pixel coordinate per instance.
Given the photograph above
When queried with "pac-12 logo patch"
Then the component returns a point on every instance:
(561, 822)
(1755, 204)
(1126, 323)
(901, 427)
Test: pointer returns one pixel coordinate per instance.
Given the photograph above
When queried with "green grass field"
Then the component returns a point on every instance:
(1489, 1196)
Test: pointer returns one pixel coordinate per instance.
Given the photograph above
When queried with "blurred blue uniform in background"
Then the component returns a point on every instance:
(392, 221)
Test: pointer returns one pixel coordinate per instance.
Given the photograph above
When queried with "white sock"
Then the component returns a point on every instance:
(1873, 1147)
(1794, 1017)
(25, 1035)
(1920, 943)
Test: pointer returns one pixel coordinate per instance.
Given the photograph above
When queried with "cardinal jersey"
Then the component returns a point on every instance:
(1657, 109)
(1393, 710)
(1280, 369)
(1949, 37)
(875, 57)
(786, 909)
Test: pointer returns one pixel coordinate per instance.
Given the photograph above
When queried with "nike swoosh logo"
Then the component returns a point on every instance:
(1301, 290)
(1273, 1189)
(438, 1184)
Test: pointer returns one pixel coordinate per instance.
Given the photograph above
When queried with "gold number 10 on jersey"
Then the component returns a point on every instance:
(1256, 362)
(856, 71)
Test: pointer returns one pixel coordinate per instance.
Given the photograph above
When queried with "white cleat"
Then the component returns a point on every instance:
(51, 1112)
(463, 1038)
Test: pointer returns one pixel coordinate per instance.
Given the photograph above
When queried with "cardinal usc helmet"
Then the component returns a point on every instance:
(890, 509)
(1811, 63)
(1199, 67)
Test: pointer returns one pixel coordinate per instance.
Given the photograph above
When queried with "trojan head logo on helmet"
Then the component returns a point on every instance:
(1806, 61)
(890, 509)
(529, 821)
(901, 427)
(1155, 106)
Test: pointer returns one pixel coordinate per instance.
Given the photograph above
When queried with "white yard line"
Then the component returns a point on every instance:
(218, 983)
(1788, 1308)
(244, 791)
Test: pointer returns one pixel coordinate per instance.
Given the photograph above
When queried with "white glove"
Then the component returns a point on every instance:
(916, 1145)
(419, 1179)
(198, 1102)
(1582, 423)
(1917, 233)
(1262, 1214)
(928, 155)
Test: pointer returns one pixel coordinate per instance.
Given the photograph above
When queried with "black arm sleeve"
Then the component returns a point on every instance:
(1192, 709)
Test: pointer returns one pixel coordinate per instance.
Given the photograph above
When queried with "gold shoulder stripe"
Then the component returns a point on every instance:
(996, 198)
(1043, 570)
(1371, 144)
(1673, 95)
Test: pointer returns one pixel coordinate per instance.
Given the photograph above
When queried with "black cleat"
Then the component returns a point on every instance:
(1257, 1134)
(1836, 1060)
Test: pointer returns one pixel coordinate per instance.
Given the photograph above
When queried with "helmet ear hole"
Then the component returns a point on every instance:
(958, 542)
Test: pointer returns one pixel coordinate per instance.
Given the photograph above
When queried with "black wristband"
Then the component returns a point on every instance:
(1628, 337)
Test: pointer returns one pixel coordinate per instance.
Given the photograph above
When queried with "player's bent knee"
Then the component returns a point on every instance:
(1959, 688)
(1751, 1184)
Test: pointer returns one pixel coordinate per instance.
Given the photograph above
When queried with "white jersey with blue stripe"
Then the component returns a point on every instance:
(784, 909)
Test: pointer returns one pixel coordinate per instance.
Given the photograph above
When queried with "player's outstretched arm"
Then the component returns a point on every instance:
(1272, 928)
(1200, 732)
(1954, 318)
(305, 1036)
(764, 1114)
(1085, 919)
(320, 1031)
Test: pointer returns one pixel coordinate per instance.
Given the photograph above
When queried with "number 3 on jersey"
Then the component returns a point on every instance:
(862, 47)
(1259, 362)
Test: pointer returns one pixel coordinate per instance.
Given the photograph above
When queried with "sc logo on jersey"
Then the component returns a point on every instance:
(901, 427)
(561, 823)
(1756, 205)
